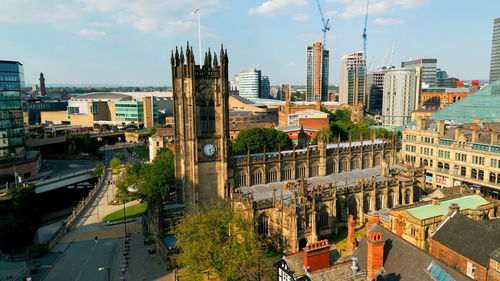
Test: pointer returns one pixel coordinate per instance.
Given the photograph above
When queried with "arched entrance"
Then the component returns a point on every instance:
(302, 243)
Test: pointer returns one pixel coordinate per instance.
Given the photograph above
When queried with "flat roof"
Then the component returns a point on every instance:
(10, 61)
(443, 207)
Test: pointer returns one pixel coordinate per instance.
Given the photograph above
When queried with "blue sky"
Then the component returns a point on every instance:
(128, 42)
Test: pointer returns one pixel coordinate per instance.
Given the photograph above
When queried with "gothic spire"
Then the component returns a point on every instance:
(176, 56)
(216, 63)
(182, 57)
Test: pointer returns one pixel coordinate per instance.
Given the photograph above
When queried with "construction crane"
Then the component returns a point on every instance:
(326, 24)
(364, 29)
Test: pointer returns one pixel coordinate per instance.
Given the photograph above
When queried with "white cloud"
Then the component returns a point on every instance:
(355, 8)
(301, 17)
(331, 13)
(91, 32)
(272, 7)
(387, 21)
(176, 27)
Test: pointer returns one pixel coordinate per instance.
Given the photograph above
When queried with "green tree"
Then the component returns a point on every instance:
(114, 163)
(257, 139)
(219, 240)
(120, 155)
(99, 168)
(159, 179)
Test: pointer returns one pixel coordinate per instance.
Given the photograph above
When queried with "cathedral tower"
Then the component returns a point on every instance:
(201, 111)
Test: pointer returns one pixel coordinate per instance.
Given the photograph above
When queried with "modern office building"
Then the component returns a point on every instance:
(12, 144)
(428, 67)
(453, 154)
(265, 87)
(495, 52)
(33, 107)
(249, 83)
(352, 79)
(374, 90)
(317, 72)
(283, 91)
(399, 96)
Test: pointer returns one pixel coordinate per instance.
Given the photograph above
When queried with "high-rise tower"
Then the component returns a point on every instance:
(495, 53)
(317, 72)
(352, 84)
(201, 106)
(42, 85)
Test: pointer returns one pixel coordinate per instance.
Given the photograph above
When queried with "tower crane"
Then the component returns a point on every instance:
(364, 29)
(326, 24)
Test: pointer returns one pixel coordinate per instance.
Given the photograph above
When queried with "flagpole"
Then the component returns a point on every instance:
(199, 36)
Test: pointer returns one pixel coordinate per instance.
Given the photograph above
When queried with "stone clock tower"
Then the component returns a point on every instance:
(201, 106)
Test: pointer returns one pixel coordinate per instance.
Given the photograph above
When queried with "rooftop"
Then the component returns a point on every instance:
(104, 96)
(292, 128)
(442, 208)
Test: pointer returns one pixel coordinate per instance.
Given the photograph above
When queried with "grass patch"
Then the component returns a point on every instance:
(141, 152)
(340, 241)
(132, 211)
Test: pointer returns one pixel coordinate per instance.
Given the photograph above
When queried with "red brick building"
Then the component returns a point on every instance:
(468, 245)
(293, 132)
(446, 96)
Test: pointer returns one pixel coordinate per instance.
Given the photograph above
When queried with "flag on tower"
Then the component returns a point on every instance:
(196, 11)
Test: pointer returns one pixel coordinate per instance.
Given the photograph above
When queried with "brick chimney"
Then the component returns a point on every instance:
(494, 137)
(440, 127)
(399, 226)
(318, 105)
(375, 259)
(373, 221)
(317, 255)
(475, 136)
(351, 241)
(453, 207)
(421, 120)
(435, 201)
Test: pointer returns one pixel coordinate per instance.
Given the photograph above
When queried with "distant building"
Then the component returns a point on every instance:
(446, 96)
(42, 85)
(309, 118)
(399, 96)
(352, 85)
(236, 128)
(106, 109)
(495, 52)
(429, 68)
(33, 108)
(374, 91)
(444, 81)
(265, 87)
(163, 138)
(283, 91)
(34, 88)
(249, 83)
(293, 132)
(317, 72)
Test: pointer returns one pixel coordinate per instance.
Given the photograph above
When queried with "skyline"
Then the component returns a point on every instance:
(82, 42)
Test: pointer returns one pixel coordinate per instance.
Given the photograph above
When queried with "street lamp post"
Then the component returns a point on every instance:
(107, 269)
(125, 220)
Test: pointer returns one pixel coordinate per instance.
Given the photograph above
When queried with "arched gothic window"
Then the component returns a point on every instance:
(206, 116)
(263, 225)
(314, 169)
(287, 173)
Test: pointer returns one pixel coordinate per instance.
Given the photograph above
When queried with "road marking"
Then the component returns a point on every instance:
(78, 276)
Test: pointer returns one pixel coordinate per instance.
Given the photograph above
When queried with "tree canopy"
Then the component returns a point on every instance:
(219, 240)
(257, 139)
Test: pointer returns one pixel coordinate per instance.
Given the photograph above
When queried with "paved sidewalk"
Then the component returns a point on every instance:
(143, 266)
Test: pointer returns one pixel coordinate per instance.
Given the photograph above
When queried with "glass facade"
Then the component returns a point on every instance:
(399, 96)
(495, 52)
(249, 83)
(12, 143)
(428, 66)
(265, 87)
(317, 68)
(133, 111)
(352, 79)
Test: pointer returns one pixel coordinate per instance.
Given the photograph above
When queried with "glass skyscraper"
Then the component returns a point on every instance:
(495, 53)
(317, 72)
(429, 69)
(249, 83)
(12, 143)
(352, 79)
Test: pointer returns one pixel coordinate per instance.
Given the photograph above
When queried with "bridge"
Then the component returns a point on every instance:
(62, 180)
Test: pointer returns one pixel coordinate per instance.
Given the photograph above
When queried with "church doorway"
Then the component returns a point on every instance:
(302, 243)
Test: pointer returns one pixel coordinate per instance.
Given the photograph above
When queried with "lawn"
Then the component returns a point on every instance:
(340, 240)
(141, 152)
(132, 211)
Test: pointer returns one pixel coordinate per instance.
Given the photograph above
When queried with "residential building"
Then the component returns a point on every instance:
(352, 87)
(249, 83)
(416, 222)
(106, 109)
(429, 68)
(317, 69)
(466, 245)
(399, 96)
(12, 143)
(495, 52)
(265, 87)
(453, 154)
(374, 91)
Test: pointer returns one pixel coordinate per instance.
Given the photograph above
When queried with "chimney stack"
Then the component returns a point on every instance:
(317, 255)
(435, 201)
(494, 137)
(453, 207)
(373, 221)
(399, 226)
(475, 136)
(375, 259)
(421, 120)
(440, 127)
(351, 241)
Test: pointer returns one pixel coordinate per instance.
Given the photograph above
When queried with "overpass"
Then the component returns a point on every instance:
(62, 180)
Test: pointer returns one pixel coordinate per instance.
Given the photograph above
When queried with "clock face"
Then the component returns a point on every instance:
(209, 150)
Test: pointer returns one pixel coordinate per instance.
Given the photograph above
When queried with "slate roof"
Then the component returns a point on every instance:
(457, 232)
(443, 207)
(402, 260)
